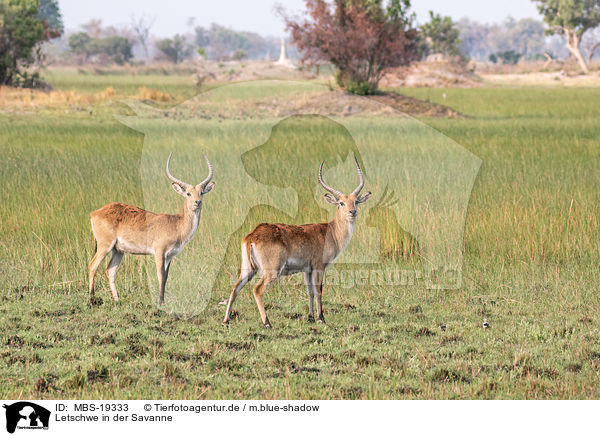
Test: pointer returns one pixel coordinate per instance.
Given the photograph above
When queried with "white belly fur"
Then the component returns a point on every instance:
(293, 266)
(131, 247)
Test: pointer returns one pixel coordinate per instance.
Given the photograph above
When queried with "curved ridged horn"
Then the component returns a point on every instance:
(173, 179)
(338, 194)
(210, 172)
(360, 175)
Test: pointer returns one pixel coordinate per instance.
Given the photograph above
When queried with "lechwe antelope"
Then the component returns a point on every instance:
(119, 228)
(281, 249)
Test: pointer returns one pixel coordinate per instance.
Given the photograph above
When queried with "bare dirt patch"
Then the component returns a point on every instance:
(236, 71)
(552, 79)
(432, 74)
(327, 103)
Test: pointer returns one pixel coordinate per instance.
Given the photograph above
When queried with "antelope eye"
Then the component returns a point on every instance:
(189, 194)
(342, 203)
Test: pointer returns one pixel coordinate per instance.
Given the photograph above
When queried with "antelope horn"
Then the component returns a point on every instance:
(173, 179)
(360, 175)
(210, 173)
(338, 194)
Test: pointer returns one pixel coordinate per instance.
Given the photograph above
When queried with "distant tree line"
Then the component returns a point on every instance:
(113, 48)
(440, 35)
(97, 43)
(570, 28)
(505, 42)
(360, 38)
(576, 21)
(219, 42)
(525, 38)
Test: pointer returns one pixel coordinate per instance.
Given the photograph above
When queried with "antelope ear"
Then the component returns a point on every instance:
(331, 199)
(208, 188)
(363, 197)
(177, 188)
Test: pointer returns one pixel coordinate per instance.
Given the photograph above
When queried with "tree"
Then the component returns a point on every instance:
(51, 17)
(175, 49)
(441, 35)
(79, 43)
(556, 47)
(473, 38)
(20, 32)
(239, 55)
(591, 42)
(527, 37)
(221, 42)
(114, 48)
(93, 27)
(258, 46)
(508, 57)
(361, 38)
(141, 27)
(572, 18)
(202, 38)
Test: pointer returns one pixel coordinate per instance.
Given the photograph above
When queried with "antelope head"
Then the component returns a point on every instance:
(346, 204)
(192, 194)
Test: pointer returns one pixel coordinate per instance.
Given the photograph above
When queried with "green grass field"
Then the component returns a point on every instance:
(68, 79)
(531, 247)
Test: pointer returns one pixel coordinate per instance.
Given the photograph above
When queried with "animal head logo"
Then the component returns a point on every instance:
(26, 415)
(395, 242)
(267, 148)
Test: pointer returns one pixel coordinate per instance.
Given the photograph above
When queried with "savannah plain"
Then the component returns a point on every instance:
(531, 261)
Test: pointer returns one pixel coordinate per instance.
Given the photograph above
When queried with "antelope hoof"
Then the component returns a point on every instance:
(311, 319)
(321, 320)
(268, 325)
(95, 301)
(226, 323)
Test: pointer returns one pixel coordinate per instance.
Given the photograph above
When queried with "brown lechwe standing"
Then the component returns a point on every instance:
(119, 228)
(281, 249)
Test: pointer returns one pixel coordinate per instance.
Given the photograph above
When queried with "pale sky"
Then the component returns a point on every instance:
(172, 16)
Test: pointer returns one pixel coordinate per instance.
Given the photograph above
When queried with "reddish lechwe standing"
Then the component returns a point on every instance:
(119, 228)
(277, 250)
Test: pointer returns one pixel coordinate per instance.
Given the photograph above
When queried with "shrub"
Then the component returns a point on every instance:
(115, 48)
(175, 49)
(361, 38)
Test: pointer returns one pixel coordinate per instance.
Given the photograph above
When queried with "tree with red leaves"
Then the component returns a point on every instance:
(361, 38)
